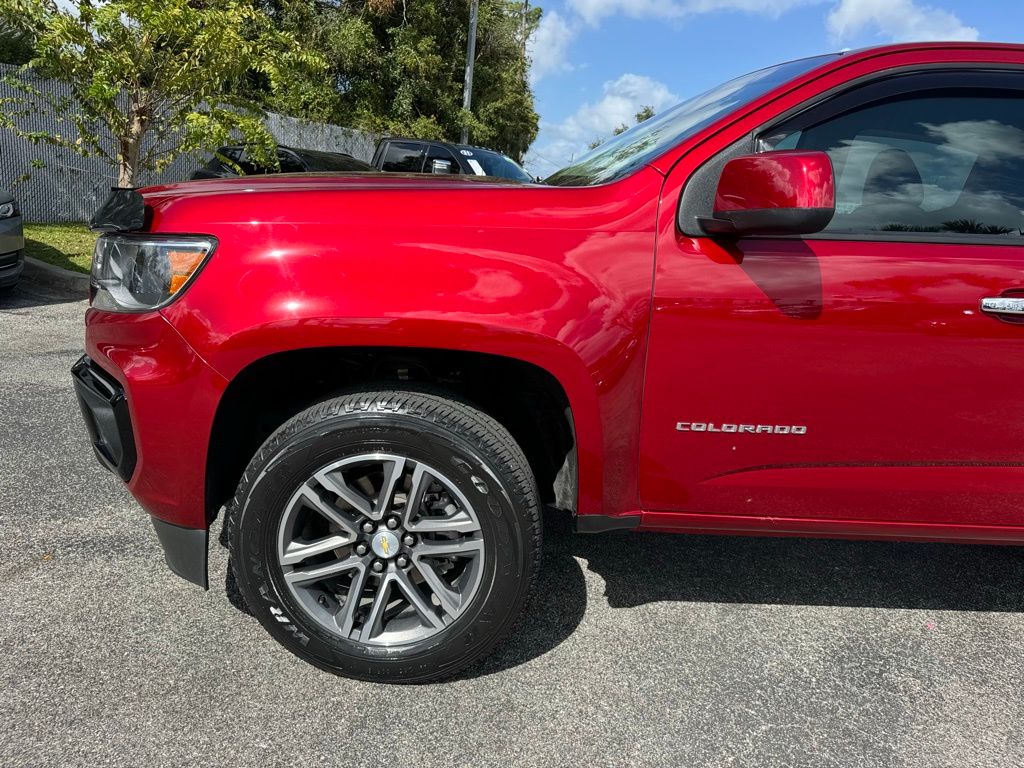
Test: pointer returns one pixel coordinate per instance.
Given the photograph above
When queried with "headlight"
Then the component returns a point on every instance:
(133, 273)
(7, 210)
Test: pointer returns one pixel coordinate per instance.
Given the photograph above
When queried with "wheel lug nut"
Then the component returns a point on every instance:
(392, 523)
(401, 561)
(361, 549)
(367, 527)
(408, 540)
(377, 566)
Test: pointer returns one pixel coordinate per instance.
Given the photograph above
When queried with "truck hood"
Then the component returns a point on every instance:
(312, 198)
(389, 202)
(326, 182)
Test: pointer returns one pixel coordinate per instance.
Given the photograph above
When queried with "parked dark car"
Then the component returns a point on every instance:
(12, 241)
(291, 161)
(398, 155)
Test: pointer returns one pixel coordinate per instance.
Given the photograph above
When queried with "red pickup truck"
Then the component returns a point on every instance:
(793, 305)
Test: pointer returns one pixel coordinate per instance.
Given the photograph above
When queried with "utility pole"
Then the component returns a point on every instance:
(467, 89)
(522, 29)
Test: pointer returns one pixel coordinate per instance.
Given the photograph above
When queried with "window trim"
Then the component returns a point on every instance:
(698, 194)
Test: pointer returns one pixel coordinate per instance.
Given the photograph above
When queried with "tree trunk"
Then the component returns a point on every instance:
(131, 147)
(128, 161)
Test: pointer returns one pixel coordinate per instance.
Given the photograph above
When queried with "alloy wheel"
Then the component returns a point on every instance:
(381, 549)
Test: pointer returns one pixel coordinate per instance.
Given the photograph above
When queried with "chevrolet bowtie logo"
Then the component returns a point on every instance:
(385, 546)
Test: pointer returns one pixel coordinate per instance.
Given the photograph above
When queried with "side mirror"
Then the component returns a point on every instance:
(788, 192)
(441, 166)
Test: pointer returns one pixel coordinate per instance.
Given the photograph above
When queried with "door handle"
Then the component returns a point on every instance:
(1003, 305)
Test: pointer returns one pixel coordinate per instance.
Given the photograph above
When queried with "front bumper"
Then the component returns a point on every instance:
(109, 424)
(11, 266)
(149, 403)
(12, 250)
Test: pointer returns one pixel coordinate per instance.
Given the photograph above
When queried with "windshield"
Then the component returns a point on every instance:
(626, 152)
(331, 161)
(486, 163)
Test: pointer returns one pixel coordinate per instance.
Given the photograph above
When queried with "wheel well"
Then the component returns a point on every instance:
(527, 400)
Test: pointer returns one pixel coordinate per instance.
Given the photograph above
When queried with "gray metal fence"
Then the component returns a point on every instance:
(69, 187)
(304, 134)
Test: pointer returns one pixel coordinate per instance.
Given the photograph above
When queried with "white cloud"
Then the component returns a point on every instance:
(548, 47)
(990, 141)
(621, 99)
(897, 20)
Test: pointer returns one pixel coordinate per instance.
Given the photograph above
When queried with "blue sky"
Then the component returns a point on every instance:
(596, 62)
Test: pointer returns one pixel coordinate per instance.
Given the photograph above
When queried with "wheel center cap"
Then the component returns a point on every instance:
(384, 544)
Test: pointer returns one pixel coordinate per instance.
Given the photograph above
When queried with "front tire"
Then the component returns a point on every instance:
(391, 536)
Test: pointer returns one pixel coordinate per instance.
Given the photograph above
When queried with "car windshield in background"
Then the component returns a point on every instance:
(330, 161)
(624, 153)
(495, 164)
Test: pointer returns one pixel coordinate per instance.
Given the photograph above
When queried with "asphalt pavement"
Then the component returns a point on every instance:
(640, 649)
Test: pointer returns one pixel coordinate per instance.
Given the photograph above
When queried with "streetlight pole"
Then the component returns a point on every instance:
(467, 89)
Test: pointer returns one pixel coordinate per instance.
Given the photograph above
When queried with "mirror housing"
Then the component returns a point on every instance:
(441, 166)
(788, 192)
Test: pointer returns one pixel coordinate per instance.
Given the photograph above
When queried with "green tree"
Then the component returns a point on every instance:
(151, 79)
(397, 67)
(16, 43)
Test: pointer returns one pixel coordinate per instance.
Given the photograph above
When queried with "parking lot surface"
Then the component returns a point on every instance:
(640, 649)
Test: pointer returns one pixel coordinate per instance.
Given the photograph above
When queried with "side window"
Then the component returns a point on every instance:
(403, 157)
(444, 158)
(218, 165)
(946, 163)
(248, 166)
(289, 163)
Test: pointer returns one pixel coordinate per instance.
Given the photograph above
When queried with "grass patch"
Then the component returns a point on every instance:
(68, 246)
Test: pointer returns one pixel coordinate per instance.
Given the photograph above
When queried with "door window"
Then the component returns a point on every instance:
(445, 160)
(943, 163)
(403, 157)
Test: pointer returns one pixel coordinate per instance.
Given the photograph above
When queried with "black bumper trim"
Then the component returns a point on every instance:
(184, 551)
(605, 523)
(105, 410)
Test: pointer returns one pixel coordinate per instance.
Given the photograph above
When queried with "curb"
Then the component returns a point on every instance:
(41, 272)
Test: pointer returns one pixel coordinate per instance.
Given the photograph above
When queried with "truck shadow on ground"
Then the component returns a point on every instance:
(640, 568)
(49, 254)
(29, 293)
